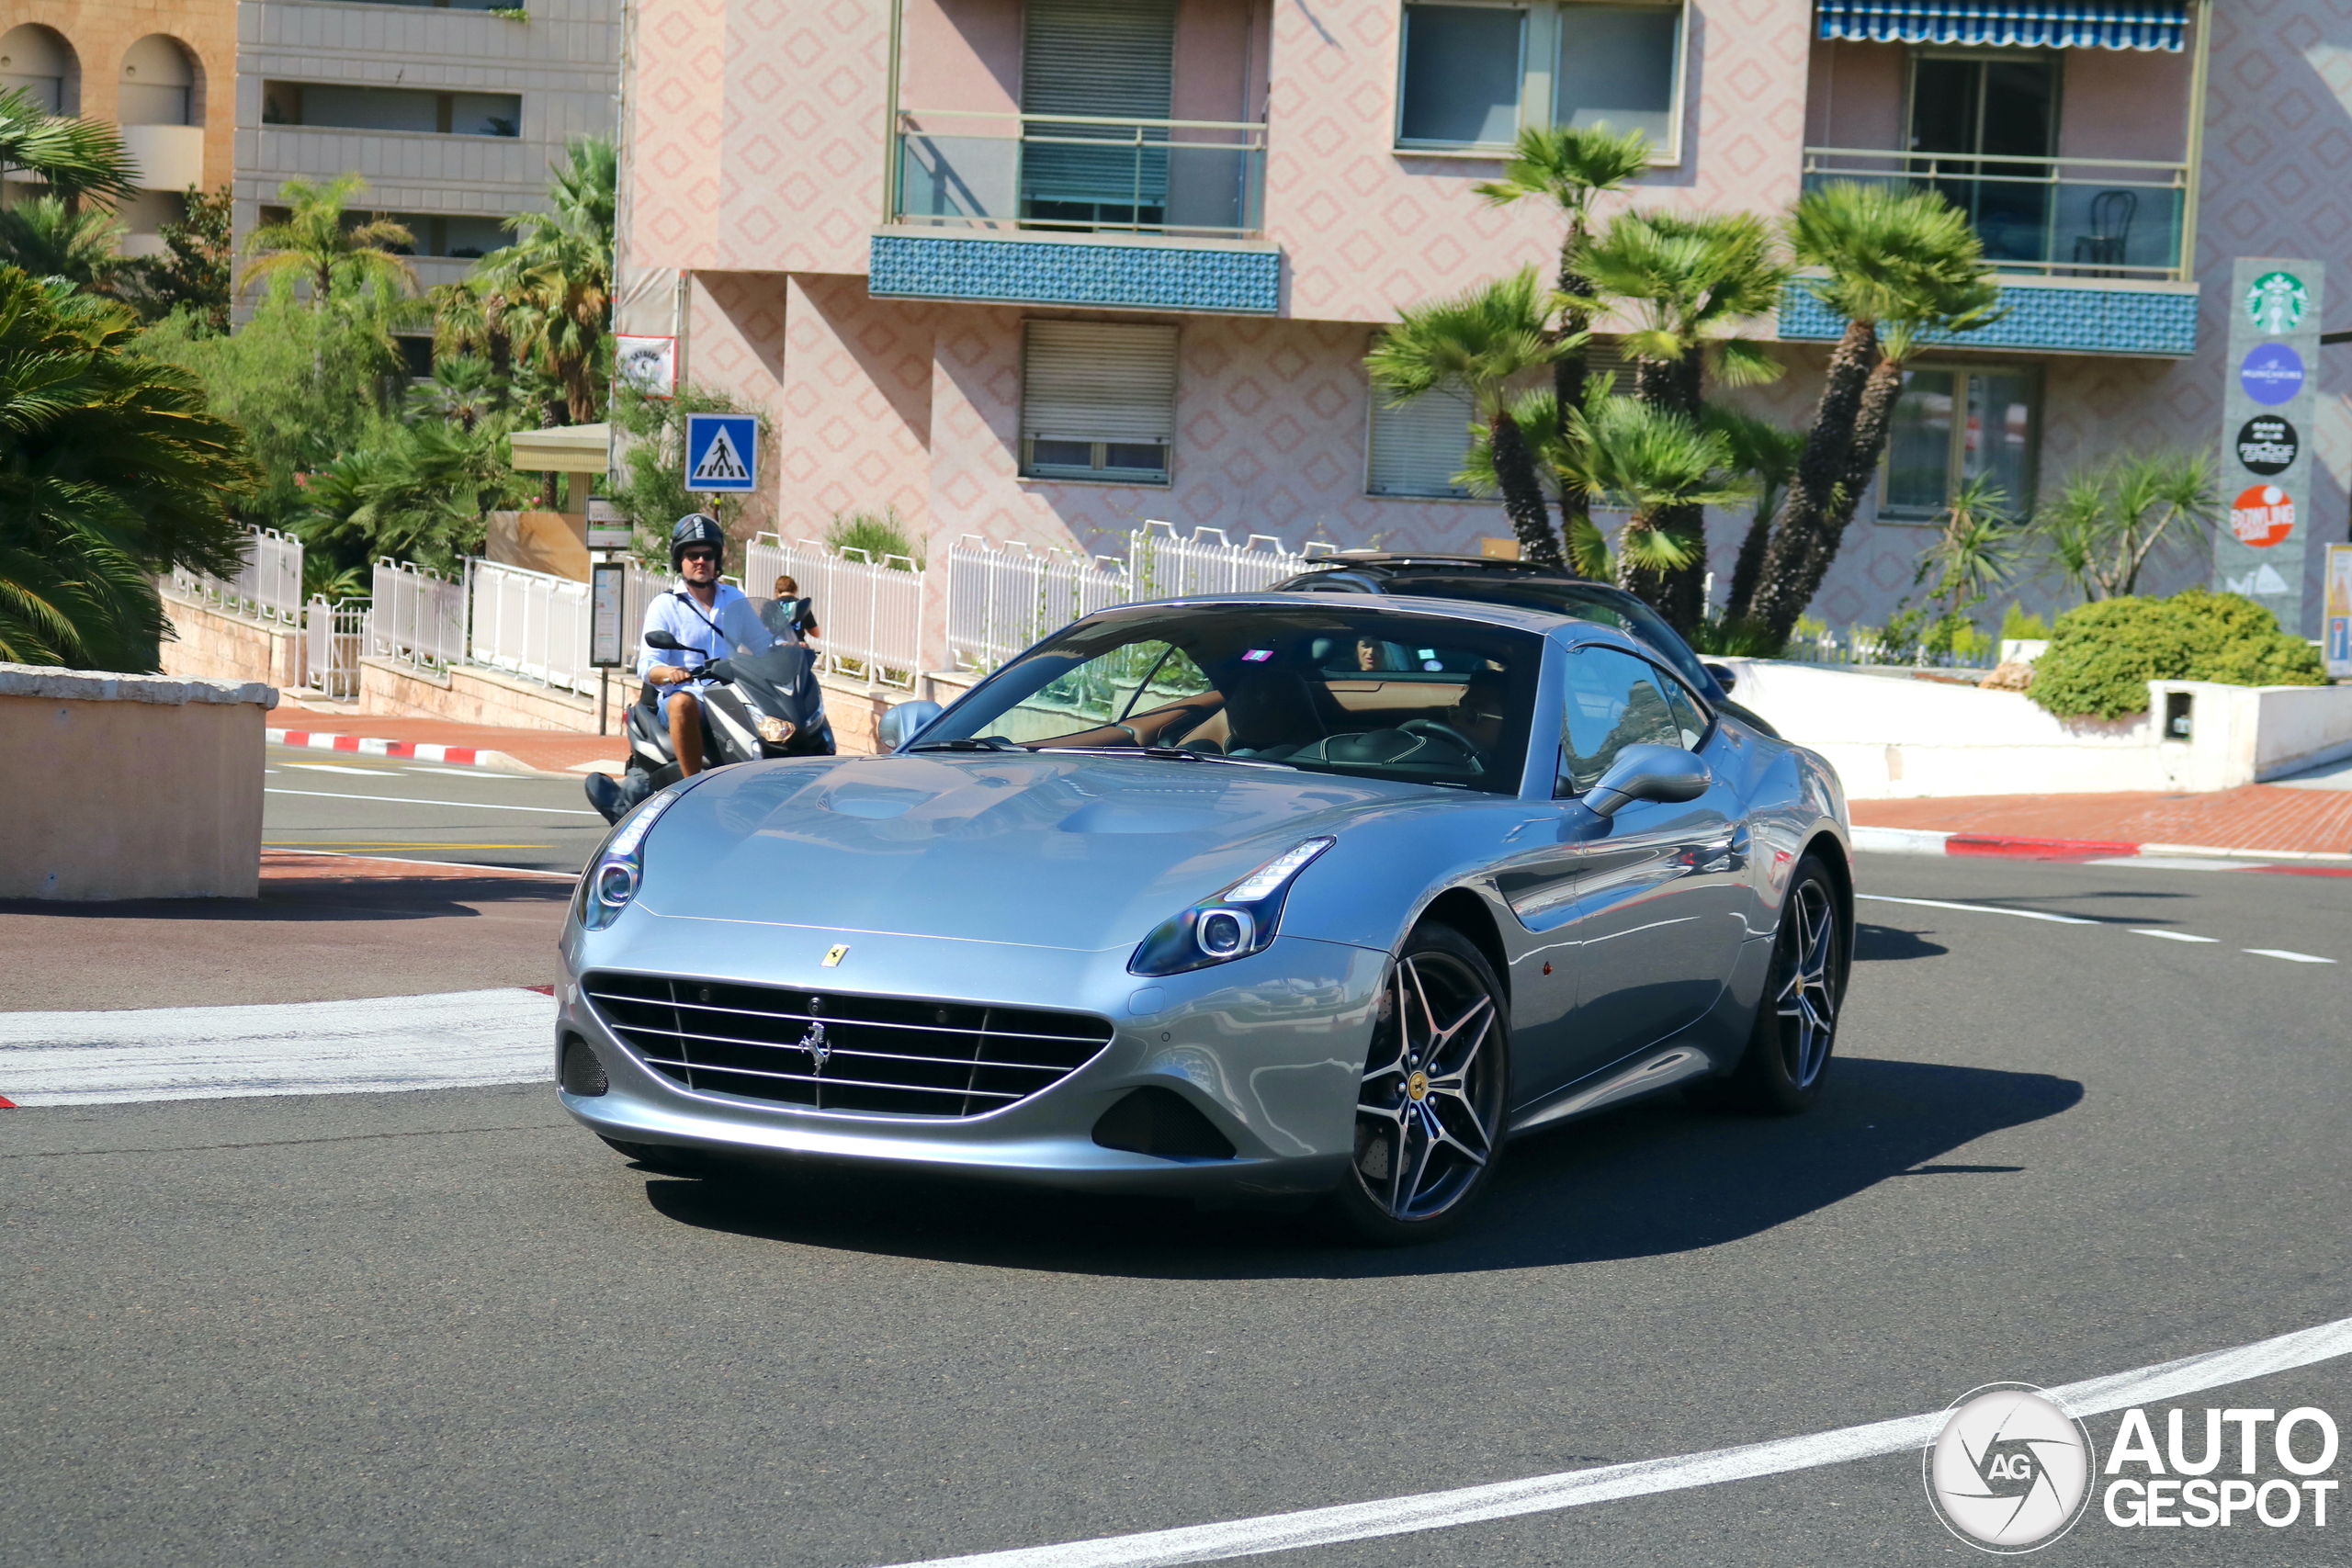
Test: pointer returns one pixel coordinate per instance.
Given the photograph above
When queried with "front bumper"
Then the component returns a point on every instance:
(1270, 1049)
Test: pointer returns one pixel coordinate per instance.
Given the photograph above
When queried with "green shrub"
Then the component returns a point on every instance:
(2018, 627)
(2102, 655)
(881, 535)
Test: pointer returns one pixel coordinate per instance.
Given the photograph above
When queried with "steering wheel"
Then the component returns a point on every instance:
(1445, 732)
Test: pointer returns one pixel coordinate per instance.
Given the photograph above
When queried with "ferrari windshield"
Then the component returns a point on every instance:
(1328, 689)
(1577, 601)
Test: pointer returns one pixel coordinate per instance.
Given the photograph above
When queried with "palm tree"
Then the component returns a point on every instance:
(1693, 284)
(1477, 344)
(1660, 465)
(1768, 455)
(111, 470)
(549, 294)
(74, 157)
(1905, 261)
(314, 244)
(464, 392)
(48, 239)
(420, 493)
(2108, 518)
(1570, 166)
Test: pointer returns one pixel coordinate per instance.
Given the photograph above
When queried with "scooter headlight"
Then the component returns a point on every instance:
(774, 730)
(1236, 923)
(613, 875)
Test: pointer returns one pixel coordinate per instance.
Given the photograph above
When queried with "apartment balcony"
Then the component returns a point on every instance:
(1075, 209)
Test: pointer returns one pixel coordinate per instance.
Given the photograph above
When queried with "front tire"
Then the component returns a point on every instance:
(1429, 1106)
(1796, 1020)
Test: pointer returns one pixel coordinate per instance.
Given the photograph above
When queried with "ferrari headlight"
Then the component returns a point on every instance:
(613, 876)
(1234, 924)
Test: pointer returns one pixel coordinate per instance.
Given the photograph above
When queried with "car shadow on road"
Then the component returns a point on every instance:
(1874, 944)
(1653, 1179)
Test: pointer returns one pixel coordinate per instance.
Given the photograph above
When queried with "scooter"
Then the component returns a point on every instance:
(763, 705)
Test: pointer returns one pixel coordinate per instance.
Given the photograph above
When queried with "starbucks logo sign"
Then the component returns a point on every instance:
(2275, 301)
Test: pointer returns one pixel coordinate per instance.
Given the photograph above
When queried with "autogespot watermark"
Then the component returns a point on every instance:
(2011, 1470)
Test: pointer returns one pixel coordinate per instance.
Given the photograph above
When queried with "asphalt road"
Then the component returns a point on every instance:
(402, 810)
(451, 1328)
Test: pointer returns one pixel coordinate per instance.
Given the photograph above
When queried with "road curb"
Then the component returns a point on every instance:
(1929, 841)
(413, 751)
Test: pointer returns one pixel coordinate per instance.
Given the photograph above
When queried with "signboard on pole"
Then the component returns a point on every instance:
(2268, 408)
(722, 452)
(607, 619)
(608, 525)
(2336, 641)
(648, 364)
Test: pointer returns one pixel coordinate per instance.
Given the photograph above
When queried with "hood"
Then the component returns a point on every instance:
(1064, 851)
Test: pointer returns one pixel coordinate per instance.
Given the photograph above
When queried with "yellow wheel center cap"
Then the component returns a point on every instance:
(1418, 1086)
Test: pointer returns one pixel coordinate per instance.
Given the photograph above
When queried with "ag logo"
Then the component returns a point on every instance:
(2274, 302)
(2010, 1471)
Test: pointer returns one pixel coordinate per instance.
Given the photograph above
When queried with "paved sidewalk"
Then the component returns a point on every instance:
(2266, 818)
(547, 750)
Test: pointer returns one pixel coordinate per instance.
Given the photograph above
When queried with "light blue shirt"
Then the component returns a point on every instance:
(678, 614)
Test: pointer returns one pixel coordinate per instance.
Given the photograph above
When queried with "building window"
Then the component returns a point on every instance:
(1465, 69)
(1418, 447)
(1098, 401)
(464, 238)
(1953, 424)
(392, 109)
(1471, 75)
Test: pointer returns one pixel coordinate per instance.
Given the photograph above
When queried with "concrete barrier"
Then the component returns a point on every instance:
(1892, 737)
(130, 786)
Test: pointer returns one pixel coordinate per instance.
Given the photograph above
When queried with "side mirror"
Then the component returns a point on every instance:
(1665, 773)
(664, 640)
(1725, 676)
(905, 721)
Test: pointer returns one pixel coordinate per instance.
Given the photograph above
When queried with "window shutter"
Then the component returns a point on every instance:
(1416, 450)
(1093, 382)
(1090, 57)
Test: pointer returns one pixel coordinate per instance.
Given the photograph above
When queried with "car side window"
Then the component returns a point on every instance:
(1687, 716)
(1613, 700)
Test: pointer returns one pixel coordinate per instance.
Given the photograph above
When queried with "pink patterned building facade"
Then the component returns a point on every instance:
(1044, 271)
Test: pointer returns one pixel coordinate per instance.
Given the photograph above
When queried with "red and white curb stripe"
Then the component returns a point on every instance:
(1927, 841)
(379, 1045)
(414, 750)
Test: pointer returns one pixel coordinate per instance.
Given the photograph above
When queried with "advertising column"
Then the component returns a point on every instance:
(2267, 409)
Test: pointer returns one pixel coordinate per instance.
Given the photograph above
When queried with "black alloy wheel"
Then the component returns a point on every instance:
(1429, 1106)
(1797, 1022)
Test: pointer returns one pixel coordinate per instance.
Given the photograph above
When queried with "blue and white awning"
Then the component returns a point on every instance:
(2030, 23)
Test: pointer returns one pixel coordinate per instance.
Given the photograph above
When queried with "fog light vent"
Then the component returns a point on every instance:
(1163, 1123)
(580, 1073)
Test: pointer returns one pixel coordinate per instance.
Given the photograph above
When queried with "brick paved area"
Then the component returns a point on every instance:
(2258, 816)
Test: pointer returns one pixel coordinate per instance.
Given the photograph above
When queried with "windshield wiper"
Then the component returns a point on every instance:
(980, 743)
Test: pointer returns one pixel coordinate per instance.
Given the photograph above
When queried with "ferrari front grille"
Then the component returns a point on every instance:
(830, 1052)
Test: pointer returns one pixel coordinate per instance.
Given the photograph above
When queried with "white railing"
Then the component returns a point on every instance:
(269, 588)
(333, 636)
(1002, 599)
(416, 617)
(1864, 649)
(530, 623)
(869, 613)
(1161, 566)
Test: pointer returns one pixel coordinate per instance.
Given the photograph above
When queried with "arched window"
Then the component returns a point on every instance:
(159, 81)
(39, 62)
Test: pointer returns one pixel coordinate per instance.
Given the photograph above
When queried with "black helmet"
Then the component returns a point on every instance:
(697, 528)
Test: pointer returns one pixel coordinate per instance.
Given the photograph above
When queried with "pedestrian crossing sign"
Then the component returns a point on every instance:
(722, 452)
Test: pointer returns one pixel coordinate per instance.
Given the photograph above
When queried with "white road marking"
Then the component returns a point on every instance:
(1576, 1488)
(403, 800)
(459, 772)
(339, 768)
(1981, 909)
(2173, 863)
(453, 1040)
(2173, 936)
(2290, 957)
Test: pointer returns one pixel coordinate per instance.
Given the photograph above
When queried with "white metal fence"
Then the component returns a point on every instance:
(869, 612)
(1860, 648)
(531, 624)
(1161, 566)
(333, 636)
(1000, 599)
(416, 617)
(269, 588)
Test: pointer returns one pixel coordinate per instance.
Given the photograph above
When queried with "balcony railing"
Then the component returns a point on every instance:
(2054, 217)
(970, 170)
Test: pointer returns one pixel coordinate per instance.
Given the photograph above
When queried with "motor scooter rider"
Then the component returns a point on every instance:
(690, 612)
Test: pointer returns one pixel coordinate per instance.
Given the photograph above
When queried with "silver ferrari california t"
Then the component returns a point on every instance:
(1262, 894)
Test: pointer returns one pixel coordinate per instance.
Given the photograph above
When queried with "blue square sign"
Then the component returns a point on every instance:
(722, 452)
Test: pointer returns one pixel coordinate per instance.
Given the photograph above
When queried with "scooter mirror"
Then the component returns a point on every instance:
(903, 723)
(664, 640)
